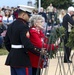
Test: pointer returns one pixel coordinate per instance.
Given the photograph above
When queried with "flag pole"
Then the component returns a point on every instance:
(39, 5)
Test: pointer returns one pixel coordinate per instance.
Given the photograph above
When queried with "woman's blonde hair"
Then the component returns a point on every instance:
(33, 19)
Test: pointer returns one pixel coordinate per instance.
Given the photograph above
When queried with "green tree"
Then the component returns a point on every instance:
(56, 3)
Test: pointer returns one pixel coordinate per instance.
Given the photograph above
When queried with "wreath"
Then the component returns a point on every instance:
(55, 33)
(71, 39)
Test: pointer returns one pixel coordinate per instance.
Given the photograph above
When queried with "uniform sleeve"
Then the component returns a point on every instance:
(51, 47)
(7, 42)
(26, 42)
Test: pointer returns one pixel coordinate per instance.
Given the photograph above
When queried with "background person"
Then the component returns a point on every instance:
(61, 15)
(7, 18)
(66, 20)
(43, 14)
(1, 12)
(35, 12)
(2, 32)
(50, 10)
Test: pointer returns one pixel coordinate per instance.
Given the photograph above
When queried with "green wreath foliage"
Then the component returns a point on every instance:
(71, 39)
(60, 31)
(56, 32)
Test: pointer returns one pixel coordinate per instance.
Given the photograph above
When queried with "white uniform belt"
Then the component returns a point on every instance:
(17, 46)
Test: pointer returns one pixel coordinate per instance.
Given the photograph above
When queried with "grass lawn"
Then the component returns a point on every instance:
(3, 51)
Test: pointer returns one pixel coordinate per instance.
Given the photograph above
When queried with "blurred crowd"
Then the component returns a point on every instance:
(52, 16)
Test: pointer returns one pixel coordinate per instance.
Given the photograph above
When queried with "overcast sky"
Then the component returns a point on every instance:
(14, 2)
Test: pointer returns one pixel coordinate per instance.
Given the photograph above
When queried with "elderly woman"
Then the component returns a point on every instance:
(38, 39)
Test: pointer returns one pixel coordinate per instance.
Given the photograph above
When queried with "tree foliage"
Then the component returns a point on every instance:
(56, 3)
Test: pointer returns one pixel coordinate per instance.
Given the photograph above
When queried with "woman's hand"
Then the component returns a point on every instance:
(57, 42)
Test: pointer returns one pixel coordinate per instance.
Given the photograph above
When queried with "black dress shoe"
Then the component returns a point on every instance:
(68, 61)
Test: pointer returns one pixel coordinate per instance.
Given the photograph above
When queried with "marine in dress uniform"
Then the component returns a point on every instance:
(17, 43)
(66, 20)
